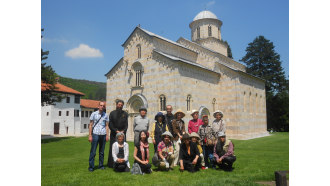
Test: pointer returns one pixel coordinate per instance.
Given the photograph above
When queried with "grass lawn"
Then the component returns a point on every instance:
(64, 161)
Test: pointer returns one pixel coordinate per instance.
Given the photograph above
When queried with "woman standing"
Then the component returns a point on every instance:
(189, 155)
(141, 153)
(157, 129)
(218, 124)
(120, 153)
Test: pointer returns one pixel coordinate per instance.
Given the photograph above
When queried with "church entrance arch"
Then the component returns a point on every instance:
(203, 111)
(134, 103)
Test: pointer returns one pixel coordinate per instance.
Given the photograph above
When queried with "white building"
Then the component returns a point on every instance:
(68, 117)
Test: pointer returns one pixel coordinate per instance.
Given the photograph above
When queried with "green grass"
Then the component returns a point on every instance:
(65, 162)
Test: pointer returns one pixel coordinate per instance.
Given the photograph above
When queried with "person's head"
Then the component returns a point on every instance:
(179, 114)
(205, 120)
(101, 106)
(143, 136)
(143, 111)
(167, 137)
(120, 137)
(119, 104)
(169, 109)
(160, 117)
(186, 139)
(222, 137)
(194, 114)
(218, 115)
(194, 137)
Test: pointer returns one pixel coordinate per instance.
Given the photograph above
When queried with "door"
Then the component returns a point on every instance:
(56, 128)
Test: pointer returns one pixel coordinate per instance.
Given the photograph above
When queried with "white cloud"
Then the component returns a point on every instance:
(49, 40)
(83, 51)
(209, 4)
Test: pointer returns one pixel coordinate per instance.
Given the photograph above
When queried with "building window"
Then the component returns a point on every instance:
(250, 103)
(188, 102)
(139, 51)
(213, 104)
(77, 99)
(47, 113)
(76, 113)
(210, 30)
(85, 126)
(244, 97)
(86, 113)
(59, 113)
(67, 113)
(256, 104)
(82, 114)
(198, 32)
(162, 100)
(138, 77)
(67, 99)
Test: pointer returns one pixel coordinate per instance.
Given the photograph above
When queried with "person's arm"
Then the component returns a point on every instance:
(126, 151)
(126, 123)
(107, 131)
(230, 150)
(152, 134)
(114, 152)
(134, 124)
(148, 121)
(111, 124)
(184, 128)
(90, 138)
(197, 154)
(175, 130)
(160, 154)
(215, 152)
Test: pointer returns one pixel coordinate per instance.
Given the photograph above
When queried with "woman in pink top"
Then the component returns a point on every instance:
(194, 123)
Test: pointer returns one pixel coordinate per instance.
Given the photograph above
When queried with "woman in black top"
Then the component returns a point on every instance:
(189, 155)
(141, 153)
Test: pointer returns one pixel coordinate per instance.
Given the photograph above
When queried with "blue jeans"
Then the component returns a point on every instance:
(208, 155)
(97, 139)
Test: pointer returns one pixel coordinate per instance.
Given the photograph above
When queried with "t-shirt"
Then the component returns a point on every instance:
(100, 127)
(165, 149)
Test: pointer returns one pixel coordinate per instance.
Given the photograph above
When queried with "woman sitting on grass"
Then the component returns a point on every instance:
(189, 155)
(120, 152)
(141, 153)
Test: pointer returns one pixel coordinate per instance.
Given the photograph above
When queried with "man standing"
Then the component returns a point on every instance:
(141, 123)
(178, 130)
(98, 134)
(169, 117)
(118, 123)
(206, 134)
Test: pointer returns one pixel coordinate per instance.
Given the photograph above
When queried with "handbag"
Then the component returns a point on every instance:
(136, 169)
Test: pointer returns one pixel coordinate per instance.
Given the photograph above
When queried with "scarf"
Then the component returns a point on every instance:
(142, 146)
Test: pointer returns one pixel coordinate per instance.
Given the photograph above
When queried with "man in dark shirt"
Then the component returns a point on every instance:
(169, 117)
(117, 123)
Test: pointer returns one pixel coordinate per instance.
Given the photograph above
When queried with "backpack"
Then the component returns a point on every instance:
(136, 169)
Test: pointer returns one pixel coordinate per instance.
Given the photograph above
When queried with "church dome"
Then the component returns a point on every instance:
(205, 14)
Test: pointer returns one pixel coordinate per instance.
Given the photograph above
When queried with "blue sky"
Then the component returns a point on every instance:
(84, 37)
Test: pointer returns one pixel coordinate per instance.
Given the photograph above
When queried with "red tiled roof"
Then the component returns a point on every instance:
(61, 88)
(88, 103)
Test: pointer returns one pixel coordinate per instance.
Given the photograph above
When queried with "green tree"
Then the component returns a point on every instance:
(262, 61)
(48, 76)
(229, 54)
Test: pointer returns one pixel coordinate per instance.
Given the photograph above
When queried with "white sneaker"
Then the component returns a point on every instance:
(206, 167)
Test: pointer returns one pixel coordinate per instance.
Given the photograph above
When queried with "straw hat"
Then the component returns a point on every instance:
(220, 134)
(218, 111)
(167, 133)
(193, 112)
(179, 111)
(194, 134)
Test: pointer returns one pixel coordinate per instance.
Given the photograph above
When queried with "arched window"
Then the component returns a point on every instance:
(162, 100)
(138, 51)
(188, 102)
(244, 97)
(250, 103)
(138, 74)
(198, 32)
(219, 33)
(256, 104)
(213, 104)
(210, 30)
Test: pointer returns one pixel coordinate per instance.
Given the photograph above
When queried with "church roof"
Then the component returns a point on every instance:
(204, 15)
(184, 61)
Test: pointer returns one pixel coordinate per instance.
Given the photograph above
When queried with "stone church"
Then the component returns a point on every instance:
(188, 74)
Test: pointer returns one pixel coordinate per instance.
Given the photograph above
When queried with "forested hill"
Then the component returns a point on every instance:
(92, 89)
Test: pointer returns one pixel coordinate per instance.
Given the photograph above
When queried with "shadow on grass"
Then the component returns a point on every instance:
(49, 140)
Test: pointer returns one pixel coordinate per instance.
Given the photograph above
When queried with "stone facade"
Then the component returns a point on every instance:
(190, 76)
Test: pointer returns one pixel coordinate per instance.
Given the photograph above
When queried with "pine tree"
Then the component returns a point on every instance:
(262, 61)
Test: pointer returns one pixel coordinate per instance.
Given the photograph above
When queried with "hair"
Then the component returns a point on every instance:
(169, 106)
(100, 102)
(119, 100)
(147, 135)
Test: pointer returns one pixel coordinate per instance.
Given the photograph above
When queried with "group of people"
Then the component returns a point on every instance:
(203, 146)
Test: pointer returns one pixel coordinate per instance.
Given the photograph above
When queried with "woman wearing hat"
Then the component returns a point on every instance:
(157, 129)
(224, 152)
(189, 155)
(195, 122)
(218, 124)
(165, 152)
(196, 139)
(120, 151)
(178, 130)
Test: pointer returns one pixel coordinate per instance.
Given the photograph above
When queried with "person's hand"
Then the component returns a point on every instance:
(90, 138)
(107, 138)
(117, 131)
(219, 160)
(180, 137)
(145, 162)
(194, 162)
(154, 141)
